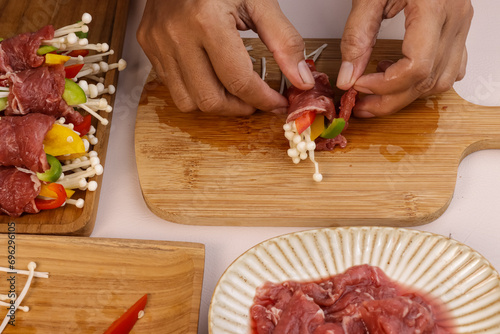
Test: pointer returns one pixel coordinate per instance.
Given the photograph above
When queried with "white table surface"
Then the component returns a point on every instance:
(473, 216)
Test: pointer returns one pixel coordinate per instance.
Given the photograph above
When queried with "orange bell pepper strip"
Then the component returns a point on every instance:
(305, 121)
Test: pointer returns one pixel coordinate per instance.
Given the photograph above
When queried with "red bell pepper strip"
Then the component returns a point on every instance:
(124, 324)
(58, 189)
(305, 121)
(84, 127)
(72, 70)
(76, 53)
(311, 64)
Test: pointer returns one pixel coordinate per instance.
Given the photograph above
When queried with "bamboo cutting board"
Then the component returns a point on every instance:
(108, 25)
(92, 282)
(397, 170)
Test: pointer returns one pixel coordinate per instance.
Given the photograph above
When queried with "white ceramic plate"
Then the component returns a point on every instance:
(457, 275)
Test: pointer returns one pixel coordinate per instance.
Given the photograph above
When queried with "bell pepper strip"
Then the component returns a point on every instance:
(3, 103)
(55, 59)
(44, 49)
(311, 64)
(317, 127)
(81, 34)
(46, 192)
(72, 70)
(50, 204)
(54, 172)
(84, 127)
(126, 322)
(305, 121)
(73, 94)
(61, 140)
(76, 53)
(334, 129)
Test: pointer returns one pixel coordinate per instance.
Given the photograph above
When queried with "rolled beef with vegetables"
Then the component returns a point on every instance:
(305, 106)
(20, 52)
(22, 141)
(40, 90)
(18, 190)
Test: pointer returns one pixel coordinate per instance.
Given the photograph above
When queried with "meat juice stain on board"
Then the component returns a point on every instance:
(391, 141)
(259, 133)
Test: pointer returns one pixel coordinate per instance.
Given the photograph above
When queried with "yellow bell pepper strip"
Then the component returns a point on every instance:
(126, 322)
(3, 103)
(334, 129)
(54, 172)
(45, 192)
(73, 94)
(55, 59)
(317, 127)
(49, 204)
(61, 140)
(44, 49)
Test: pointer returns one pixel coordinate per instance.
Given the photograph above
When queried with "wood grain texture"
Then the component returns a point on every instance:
(93, 281)
(108, 25)
(397, 170)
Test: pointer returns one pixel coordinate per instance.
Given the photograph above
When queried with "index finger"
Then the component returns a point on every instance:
(420, 48)
(234, 68)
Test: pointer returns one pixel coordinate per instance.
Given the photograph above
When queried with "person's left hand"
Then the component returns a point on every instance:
(434, 52)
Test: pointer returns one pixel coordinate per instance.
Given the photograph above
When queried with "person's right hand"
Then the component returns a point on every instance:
(196, 49)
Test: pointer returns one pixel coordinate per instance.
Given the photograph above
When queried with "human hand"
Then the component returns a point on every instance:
(434, 52)
(196, 49)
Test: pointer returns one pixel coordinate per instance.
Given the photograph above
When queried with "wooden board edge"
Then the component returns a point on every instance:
(86, 226)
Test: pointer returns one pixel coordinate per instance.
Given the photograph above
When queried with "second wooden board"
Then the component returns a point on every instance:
(92, 282)
(397, 170)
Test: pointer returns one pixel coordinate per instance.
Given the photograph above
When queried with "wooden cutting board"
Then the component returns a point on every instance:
(397, 170)
(109, 19)
(92, 282)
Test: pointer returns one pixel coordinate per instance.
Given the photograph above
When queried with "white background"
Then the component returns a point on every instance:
(472, 218)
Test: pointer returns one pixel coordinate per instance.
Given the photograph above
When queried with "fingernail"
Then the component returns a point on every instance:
(363, 90)
(305, 73)
(345, 75)
(363, 114)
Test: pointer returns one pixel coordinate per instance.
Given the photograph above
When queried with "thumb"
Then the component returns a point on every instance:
(284, 42)
(360, 35)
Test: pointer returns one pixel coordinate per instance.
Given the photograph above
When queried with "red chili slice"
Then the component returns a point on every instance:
(124, 324)
(76, 53)
(72, 70)
(49, 204)
(84, 127)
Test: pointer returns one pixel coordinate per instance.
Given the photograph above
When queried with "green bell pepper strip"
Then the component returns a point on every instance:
(81, 34)
(44, 49)
(73, 94)
(55, 171)
(334, 129)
